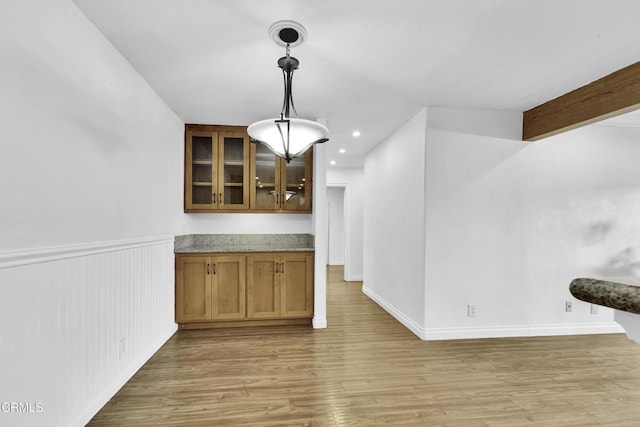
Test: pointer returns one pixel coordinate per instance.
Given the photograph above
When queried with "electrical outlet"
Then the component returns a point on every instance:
(568, 306)
(471, 310)
(122, 348)
(594, 308)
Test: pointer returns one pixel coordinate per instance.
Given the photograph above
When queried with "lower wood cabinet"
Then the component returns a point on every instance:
(210, 287)
(279, 286)
(220, 290)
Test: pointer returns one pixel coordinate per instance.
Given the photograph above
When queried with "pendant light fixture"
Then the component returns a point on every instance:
(288, 136)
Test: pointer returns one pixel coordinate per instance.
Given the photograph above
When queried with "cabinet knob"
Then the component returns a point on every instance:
(282, 268)
(220, 199)
(214, 268)
(213, 197)
(208, 268)
(276, 267)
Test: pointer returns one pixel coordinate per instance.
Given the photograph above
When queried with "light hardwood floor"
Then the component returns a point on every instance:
(366, 369)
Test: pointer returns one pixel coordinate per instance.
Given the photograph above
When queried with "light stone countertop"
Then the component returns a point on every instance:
(621, 293)
(224, 243)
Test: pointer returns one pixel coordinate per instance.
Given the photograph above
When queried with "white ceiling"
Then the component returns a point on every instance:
(367, 65)
(631, 119)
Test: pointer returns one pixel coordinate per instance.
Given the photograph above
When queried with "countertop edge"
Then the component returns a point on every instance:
(243, 243)
(187, 251)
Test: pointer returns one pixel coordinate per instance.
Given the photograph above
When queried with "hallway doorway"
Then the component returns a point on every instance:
(336, 239)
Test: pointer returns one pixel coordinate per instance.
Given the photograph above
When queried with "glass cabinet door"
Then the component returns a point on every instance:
(296, 178)
(265, 189)
(233, 166)
(201, 178)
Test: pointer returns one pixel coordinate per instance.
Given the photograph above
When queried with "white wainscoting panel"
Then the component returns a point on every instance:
(77, 322)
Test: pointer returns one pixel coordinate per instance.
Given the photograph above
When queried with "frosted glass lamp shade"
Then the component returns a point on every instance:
(289, 137)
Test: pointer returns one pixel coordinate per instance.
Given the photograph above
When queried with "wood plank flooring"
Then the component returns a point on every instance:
(368, 370)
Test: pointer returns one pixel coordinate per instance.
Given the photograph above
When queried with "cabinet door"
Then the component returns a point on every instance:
(296, 289)
(193, 289)
(265, 185)
(228, 286)
(263, 286)
(296, 183)
(233, 170)
(201, 151)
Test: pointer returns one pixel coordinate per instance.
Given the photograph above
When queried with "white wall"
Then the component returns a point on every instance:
(394, 228)
(510, 224)
(320, 231)
(335, 196)
(249, 223)
(89, 151)
(352, 180)
(91, 178)
(504, 225)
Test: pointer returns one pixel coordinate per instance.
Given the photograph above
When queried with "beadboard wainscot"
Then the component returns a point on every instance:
(93, 314)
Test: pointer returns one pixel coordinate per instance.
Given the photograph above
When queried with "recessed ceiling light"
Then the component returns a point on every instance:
(332, 162)
(342, 151)
(356, 133)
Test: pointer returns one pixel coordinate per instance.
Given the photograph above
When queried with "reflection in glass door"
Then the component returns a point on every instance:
(266, 181)
(298, 182)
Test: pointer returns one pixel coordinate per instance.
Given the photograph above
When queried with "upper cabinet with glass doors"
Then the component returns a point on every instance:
(216, 168)
(280, 186)
(226, 173)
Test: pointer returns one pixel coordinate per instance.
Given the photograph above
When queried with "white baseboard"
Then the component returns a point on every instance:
(319, 323)
(121, 380)
(355, 278)
(431, 334)
(401, 317)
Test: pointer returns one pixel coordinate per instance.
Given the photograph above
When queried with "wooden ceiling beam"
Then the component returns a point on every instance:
(612, 95)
